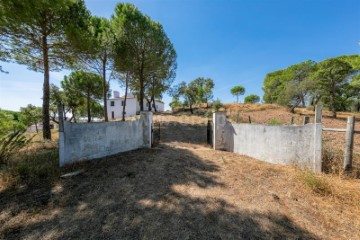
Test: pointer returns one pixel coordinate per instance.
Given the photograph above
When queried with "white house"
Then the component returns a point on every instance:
(115, 106)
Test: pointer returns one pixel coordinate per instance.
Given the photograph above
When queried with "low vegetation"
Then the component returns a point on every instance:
(317, 183)
(12, 143)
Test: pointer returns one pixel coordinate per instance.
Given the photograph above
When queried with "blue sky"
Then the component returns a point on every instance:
(232, 42)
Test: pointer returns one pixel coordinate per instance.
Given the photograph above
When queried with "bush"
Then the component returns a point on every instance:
(216, 105)
(12, 143)
(208, 113)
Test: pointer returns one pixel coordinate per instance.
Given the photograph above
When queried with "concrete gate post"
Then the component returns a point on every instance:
(147, 127)
(219, 121)
(317, 165)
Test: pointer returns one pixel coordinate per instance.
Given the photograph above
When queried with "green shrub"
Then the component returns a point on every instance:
(216, 105)
(208, 113)
(11, 144)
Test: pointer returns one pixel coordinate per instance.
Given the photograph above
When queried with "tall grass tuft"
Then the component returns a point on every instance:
(317, 183)
(11, 144)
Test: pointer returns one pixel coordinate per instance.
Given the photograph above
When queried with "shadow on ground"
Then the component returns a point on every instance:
(135, 196)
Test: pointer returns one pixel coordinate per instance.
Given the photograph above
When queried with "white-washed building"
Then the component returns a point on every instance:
(115, 106)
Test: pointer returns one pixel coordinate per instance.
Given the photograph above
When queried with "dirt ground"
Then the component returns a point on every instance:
(178, 190)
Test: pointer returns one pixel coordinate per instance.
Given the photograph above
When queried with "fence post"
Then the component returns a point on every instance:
(62, 150)
(306, 120)
(349, 143)
(147, 125)
(318, 140)
(318, 113)
(219, 121)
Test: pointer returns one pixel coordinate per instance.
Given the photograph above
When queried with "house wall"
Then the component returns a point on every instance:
(160, 107)
(86, 141)
(130, 108)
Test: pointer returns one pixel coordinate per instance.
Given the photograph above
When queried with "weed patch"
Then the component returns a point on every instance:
(317, 183)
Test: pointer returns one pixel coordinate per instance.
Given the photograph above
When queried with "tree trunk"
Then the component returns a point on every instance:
(88, 107)
(292, 109)
(149, 104)
(141, 79)
(155, 109)
(74, 117)
(153, 100)
(191, 110)
(126, 90)
(46, 91)
(36, 127)
(104, 89)
(358, 103)
(332, 105)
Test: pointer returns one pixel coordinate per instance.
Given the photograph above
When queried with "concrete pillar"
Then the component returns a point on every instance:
(219, 121)
(318, 113)
(317, 166)
(147, 118)
(61, 136)
(349, 143)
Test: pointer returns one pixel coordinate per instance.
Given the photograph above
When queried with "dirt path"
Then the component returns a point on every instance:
(175, 191)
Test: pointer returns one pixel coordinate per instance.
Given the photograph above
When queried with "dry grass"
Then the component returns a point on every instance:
(181, 191)
(33, 164)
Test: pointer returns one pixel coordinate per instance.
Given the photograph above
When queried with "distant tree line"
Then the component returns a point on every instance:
(58, 34)
(334, 82)
(11, 121)
(195, 92)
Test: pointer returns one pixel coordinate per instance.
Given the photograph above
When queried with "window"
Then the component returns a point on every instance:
(112, 103)
(112, 115)
(122, 103)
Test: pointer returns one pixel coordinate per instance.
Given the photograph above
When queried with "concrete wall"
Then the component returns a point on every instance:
(287, 145)
(86, 141)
